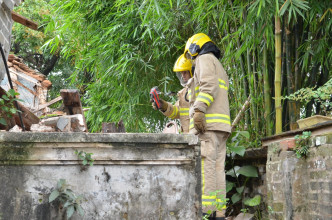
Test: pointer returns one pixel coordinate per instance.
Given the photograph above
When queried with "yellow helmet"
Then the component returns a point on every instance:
(195, 44)
(183, 64)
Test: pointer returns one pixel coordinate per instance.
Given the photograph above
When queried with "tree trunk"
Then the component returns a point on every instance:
(50, 64)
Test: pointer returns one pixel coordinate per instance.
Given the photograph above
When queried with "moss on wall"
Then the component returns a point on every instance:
(14, 153)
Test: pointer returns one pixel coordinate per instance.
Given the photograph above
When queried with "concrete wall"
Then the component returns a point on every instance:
(6, 23)
(134, 176)
(300, 188)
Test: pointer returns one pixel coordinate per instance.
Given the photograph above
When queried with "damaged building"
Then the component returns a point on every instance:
(33, 88)
(30, 84)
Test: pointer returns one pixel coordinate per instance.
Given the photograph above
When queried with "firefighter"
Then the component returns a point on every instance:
(180, 110)
(209, 118)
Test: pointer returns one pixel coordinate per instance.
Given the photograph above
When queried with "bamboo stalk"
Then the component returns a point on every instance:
(245, 83)
(297, 72)
(258, 91)
(236, 85)
(284, 91)
(252, 94)
(277, 76)
(251, 88)
(298, 78)
(255, 87)
(255, 84)
(290, 79)
(267, 94)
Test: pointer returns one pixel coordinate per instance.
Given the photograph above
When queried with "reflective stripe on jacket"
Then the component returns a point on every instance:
(208, 93)
(213, 201)
(180, 110)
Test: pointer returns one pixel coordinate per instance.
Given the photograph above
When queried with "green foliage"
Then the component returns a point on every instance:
(125, 54)
(302, 144)
(127, 47)
(67, 198)
(229, 186)
(236, 197)
(248, 171)
(237, 141)
(27, 44)
(241, 175)
(245, 210)
(48, 116)
(294, 8)
(85, 157)
(255, 201)
(7, 109)
(322, 95)
(219, 204)
(270, 210)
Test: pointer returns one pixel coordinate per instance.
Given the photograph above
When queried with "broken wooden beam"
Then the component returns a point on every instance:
(28, 117)
(24, 21)
(41, 107)
(241, 113)
(72, 103)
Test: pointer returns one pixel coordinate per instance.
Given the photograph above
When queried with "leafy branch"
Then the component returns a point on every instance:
(7, 109)
(67, 198)
(85, 157)
(322, 95)
(302, 144)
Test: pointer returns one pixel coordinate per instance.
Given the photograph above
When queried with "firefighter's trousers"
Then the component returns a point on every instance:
(213, 153)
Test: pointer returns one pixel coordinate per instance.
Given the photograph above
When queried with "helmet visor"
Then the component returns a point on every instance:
(183, 76)
(188, 56)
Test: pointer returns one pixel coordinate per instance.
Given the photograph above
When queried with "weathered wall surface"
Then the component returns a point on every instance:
(300, 188)
(6, 23)
(5, 30)
(134, 176)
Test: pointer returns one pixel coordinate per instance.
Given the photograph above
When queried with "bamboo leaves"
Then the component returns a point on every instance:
(129, 46)
(294, 8)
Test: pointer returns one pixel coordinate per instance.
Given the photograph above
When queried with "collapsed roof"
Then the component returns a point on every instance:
(30, 84)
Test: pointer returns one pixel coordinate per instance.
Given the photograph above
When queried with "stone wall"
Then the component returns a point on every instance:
(300, 188)
(134, 176)
(6, 22)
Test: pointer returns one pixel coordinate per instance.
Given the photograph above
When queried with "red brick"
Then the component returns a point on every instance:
(287, 144)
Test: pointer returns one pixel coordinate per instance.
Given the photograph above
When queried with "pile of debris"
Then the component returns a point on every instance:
(71, 120)
(33, 87)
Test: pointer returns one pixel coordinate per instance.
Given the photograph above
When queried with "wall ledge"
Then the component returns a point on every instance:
(316, 130)
(76, 137)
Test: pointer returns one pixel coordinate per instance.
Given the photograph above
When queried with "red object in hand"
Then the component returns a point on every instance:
(154, 94)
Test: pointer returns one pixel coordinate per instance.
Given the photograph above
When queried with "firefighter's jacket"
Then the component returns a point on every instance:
(208, 93)
(180, 110)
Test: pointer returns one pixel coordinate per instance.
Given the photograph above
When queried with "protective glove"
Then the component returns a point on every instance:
(163, 106)
(199, 121)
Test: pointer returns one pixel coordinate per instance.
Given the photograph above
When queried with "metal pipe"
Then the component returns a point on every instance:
(11, 85)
